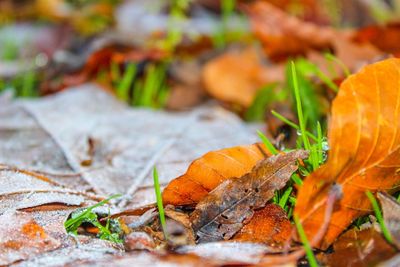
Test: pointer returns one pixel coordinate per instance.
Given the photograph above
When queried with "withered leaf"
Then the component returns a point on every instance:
(358, 248)
(208, 171)
(391, 216)
(269, 225)
(224, 210)
(364, 136)
(22, 237)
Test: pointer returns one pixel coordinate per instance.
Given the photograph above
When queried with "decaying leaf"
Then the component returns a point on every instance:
(364, 136)
(228, 253)
(391, 216)
(268, 225)
(210, 170)
(20, 190)
(222, 213)
(22, 237)
(358, 248)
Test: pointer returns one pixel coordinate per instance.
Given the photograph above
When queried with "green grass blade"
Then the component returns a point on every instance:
(299, 108)
(126, 82)
(379, 216)
(159, 202)
(285, 197)
(296, 179)
(309, 253)
(292, 124)
(346, 70)
(267, 143)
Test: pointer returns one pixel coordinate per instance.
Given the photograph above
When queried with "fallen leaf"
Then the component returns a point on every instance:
(207, 172)
(386, 38)
(22, 237)
(358, 248)
(391, 216)
(236, 76)
(53, 136)
(19, 190)
(268, 225)
(228, 253)
(364, 140)
(222, 213)
(285, 36)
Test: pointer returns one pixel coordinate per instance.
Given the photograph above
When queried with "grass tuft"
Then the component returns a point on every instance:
(87, 215)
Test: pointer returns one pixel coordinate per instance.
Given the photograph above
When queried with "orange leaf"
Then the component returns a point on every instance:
(268, 225)
(236, 76)
(364, 138)
(208, 171)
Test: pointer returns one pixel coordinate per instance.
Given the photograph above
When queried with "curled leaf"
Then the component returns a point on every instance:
(364, 136)
(207, 172)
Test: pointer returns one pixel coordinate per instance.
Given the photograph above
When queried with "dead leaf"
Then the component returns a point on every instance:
(22, 237)
(222, 213)
(286, 36)
(236, 76)
(19, 190)
(283, 35)
(358, 248)
(228, 253)
(364, 136)
(386, 38)
(207, 172)
(268, 225)
(391, 216)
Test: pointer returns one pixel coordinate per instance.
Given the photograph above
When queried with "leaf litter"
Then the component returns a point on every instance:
(224, 202)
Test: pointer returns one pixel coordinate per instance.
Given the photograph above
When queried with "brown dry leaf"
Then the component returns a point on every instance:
(358, 248)
(364, 136)
(21, 189)
(222, 213)
(284, 36)
(391, 216)
(268, 225)
(236, 76)
(386, 38)
(22, 237)
(210, 170)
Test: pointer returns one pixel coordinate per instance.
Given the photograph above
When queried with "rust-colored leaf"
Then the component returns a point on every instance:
(222, 213)
(268, 225)
(358, 248)
(208, 171)
(386, 38)
(364, 136)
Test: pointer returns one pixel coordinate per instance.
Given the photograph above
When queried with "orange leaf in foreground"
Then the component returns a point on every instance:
(364, 137)
(208, 171)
